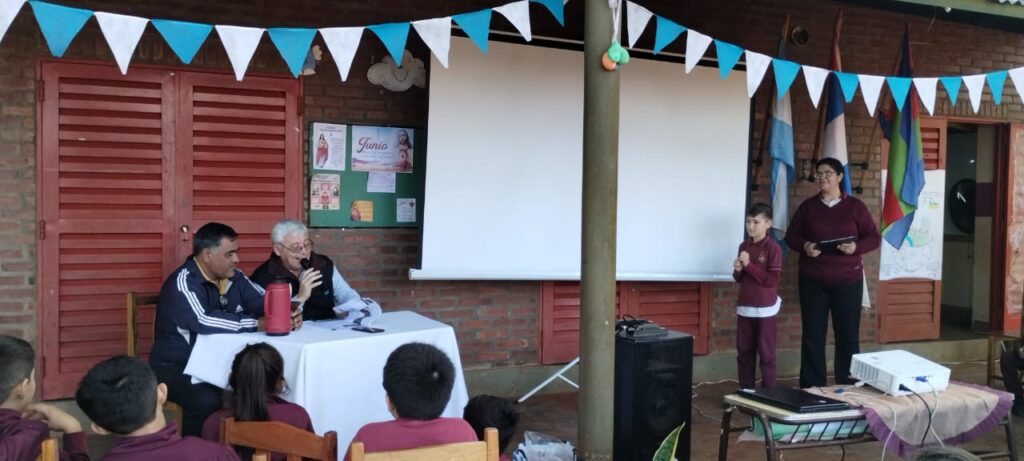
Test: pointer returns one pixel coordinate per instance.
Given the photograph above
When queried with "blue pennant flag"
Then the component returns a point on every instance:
(728, 56)
(556, 7)
(848, 83)
(293, 44)
(995, 83)
(665, 33)
(393, 35)
(785, 72)
(952, 86)
(184, 38)
(899, 86)
(477, 26)
(59, 24)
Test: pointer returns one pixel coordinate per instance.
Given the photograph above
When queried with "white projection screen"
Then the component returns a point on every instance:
(505, 155)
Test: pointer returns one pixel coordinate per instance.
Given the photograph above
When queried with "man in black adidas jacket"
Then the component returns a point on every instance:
(206, 295)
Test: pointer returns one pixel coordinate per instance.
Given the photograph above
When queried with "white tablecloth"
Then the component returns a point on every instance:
(336, 375)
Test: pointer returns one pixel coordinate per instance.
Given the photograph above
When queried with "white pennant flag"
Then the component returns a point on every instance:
(240, 44)
(122, 34)
(342, 42)
(975, 84)
(518, 13)
(815, 78)
(8, 10)
(925, 87)
(437, 34)
(870, 88)
(637, 18)
(696, 45)
(1017, 75)
(757, 65)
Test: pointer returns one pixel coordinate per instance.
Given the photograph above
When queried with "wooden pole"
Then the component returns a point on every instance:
(597, 274)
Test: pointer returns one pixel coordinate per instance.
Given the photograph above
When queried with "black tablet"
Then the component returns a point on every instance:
(832, 246)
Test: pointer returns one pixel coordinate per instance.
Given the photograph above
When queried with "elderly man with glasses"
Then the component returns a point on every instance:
(316, 283)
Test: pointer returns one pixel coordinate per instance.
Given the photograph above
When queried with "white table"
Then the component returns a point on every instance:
(336, 375)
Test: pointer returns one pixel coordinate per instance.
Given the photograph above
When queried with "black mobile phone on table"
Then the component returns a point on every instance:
(368, 329)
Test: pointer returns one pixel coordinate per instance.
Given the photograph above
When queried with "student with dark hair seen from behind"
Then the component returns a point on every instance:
(485, 411)
(24, 424)
(257, 381)
(418, 380)
(122, 397)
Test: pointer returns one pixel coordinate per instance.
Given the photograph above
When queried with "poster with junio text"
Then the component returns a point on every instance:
(382, 149)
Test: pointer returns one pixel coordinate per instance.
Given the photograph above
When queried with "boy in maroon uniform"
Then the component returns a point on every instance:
(23, 424)
(122, 397)
(418, 380)
(757, 269)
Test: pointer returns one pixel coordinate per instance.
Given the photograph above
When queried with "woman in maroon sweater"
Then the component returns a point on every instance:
(831, 279)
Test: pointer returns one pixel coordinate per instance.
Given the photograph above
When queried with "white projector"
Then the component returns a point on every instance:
(888, 370)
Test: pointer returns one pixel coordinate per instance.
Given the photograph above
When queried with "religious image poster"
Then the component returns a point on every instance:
(361, 211)
(377, 148)
(328, 145)
(325, 192)
(405, 210)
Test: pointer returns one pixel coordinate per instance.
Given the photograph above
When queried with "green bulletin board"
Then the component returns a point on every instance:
(343, 196)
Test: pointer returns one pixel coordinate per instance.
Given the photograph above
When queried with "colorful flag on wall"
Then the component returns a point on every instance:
(780, 146)
(834, 144)
(906, 161)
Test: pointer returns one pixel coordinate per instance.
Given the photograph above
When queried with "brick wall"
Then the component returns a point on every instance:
(497, 322)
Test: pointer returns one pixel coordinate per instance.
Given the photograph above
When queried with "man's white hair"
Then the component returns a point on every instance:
(287, 227)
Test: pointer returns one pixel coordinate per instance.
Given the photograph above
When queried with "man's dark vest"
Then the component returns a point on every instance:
(320, 304)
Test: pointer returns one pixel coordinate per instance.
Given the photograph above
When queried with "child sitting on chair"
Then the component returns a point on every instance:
(485, 411)
(122, 397)
(23, 424)
(257, 380)
(418, 380)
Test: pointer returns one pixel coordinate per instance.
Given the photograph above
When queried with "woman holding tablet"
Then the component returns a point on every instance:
(831, 230)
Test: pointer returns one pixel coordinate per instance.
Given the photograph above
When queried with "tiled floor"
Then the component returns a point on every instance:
(556, 414)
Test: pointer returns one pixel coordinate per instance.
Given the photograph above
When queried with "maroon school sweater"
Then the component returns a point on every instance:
(759, 280)
(401, 434)
(814, 221)
(278, 409)
(167, 445)
(21, 439)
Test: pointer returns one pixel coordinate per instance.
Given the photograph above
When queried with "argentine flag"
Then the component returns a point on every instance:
(780, 146)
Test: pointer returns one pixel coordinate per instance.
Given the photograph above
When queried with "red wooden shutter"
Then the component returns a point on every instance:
(105, 143)
(239, 159)
(909, 309)
(680, 306)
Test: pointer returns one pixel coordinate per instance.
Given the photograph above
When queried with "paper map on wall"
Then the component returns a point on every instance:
(921, 254)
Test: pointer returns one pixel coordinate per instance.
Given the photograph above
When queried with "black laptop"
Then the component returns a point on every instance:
(795, 400)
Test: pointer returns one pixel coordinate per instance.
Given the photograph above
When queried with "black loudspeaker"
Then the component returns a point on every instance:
(653, 379)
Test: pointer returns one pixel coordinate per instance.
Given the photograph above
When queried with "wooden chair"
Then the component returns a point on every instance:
(134, 300)
(266, 437)
(50, 451)
(466, 451)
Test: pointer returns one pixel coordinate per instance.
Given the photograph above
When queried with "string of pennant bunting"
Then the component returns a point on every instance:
(60, 24)
(785, 72)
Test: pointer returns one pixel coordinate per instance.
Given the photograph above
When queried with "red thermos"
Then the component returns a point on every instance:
(277, 308)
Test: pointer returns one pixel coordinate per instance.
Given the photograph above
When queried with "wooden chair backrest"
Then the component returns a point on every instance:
(134, 300)
(266, 437)
(50, 451)
(466, 451)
